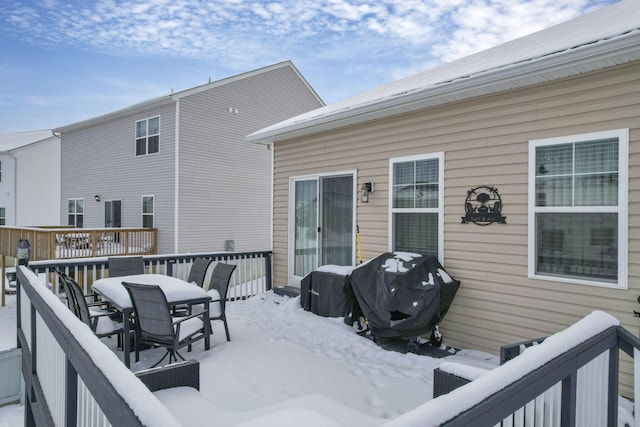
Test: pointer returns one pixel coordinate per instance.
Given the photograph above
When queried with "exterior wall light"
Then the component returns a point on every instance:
(98, 198)
(366, 188)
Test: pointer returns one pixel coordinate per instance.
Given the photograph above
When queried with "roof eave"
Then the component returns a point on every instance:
(569, 63)
(142, 106)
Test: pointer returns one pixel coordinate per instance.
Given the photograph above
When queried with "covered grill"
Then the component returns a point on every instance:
(402, 295)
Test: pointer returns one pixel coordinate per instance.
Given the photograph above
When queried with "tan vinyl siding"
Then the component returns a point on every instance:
(485, 142)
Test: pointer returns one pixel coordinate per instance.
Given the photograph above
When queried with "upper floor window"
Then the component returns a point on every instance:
(75, 212)
(148, 136)
(148, 209)
(578, 208)
(416, 204)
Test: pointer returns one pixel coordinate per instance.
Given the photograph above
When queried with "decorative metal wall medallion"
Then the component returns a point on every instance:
(483, 206)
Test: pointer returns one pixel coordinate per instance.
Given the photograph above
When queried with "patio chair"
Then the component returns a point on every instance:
(218, 288)
(155, 326)
(125, 266)
(199, 271)
(63, 287)
(91, 313)
(196, 275)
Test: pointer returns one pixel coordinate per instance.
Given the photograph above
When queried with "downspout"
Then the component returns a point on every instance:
(270, 147)
(15, 190)
(176, 179)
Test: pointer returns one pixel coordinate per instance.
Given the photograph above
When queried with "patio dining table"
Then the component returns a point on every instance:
(177, 292)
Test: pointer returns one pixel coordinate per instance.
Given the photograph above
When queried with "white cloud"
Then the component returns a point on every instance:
(446, 29)
(481, 24)
(343, 47)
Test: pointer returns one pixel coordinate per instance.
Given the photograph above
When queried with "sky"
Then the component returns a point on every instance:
(66, 61)
(287, 366)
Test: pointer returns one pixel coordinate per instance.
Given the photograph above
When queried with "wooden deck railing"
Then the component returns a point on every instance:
(65, 242)
(56, 243)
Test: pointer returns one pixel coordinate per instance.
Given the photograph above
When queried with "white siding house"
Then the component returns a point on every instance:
(29, 179)
(179, 163)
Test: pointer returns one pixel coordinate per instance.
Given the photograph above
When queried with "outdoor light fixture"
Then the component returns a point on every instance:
(97, 197)
(366, 188)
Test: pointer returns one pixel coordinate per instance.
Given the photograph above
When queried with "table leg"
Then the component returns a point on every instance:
(126, 344)
(207, 327)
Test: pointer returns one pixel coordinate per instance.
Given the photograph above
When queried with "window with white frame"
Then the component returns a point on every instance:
(148, 136)
(578, 208)
(75, 212)
(3, 218)
(416, 204)
(148, 209)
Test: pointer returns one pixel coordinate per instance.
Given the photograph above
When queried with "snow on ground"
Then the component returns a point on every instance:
(281, 356)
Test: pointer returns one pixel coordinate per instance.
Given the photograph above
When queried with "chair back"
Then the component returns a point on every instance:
(82, 308)
(220, 279)
(153, 320)
(125, 266)
(199, 270)
(65, 287)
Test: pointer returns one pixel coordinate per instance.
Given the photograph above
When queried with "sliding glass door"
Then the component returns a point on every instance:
(323, 222)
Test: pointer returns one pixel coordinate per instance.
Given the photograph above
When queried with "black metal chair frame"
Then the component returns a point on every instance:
(154, 324)
(220, 278)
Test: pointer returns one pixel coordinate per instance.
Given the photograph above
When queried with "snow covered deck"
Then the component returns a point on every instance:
(284, 363)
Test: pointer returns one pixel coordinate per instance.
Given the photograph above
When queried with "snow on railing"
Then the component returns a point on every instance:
(71, 377)
(569, 379)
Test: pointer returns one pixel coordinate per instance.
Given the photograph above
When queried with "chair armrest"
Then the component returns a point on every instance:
(101, 313)
(178, 320)
(180, 374)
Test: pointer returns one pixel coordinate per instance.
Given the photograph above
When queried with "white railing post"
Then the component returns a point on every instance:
(636, 386)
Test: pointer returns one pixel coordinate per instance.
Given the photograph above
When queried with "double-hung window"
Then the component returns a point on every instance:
(416, 216)
(75, 212)
(148, 208)
(3, 217)
(148, 136)
(578, 208)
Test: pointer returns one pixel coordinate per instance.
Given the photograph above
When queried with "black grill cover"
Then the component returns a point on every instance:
(403, 295)
(326, 294)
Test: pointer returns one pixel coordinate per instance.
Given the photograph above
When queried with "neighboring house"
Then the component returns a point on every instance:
(551, 121)
(30, 179)
(180, 162)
